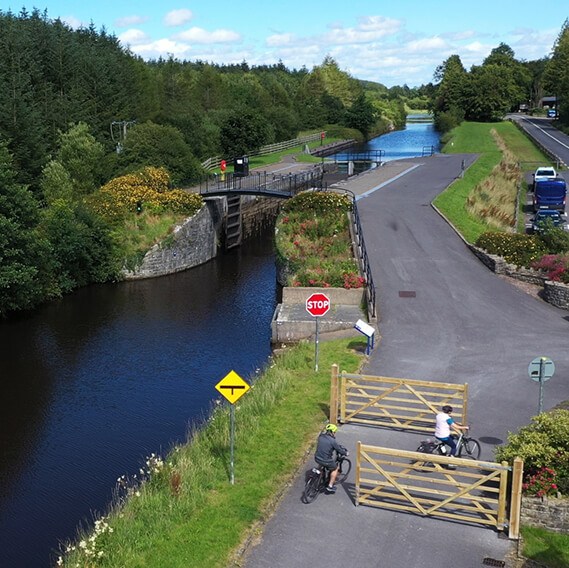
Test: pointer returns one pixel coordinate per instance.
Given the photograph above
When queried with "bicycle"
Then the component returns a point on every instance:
(466, 447)
(319, 476)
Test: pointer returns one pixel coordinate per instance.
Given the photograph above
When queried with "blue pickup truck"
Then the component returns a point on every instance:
(549, 194)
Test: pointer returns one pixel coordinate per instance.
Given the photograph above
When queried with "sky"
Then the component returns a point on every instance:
(396, 42)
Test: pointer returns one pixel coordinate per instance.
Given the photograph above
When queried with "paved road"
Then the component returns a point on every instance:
(465, 325)
(542, 130)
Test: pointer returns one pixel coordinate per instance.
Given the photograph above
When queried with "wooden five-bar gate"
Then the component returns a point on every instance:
(474, 492)
(405, 404)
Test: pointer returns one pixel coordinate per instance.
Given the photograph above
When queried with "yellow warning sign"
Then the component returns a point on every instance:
(232, 387)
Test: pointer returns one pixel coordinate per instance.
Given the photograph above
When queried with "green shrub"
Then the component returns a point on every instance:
(515, 248)
(544, 443)
(555, 239)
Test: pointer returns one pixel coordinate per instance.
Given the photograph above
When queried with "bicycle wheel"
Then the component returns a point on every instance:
(426, 448)
(345, 468)
(470, 449)
(311, 488)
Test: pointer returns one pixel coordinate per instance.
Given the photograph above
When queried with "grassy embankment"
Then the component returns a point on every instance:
(187, 512)
(540, 545)
(484, 199)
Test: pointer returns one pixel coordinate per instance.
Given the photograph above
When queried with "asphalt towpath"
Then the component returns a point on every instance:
(462, 324)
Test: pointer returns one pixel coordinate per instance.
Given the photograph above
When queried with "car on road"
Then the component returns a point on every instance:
(545, 217)
(544, 172)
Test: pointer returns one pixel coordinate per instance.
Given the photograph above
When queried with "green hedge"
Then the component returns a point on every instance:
(543, 445)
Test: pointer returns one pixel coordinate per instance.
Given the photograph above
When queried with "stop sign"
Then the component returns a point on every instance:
(317, 304)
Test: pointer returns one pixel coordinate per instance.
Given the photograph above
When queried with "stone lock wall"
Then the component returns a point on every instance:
(192, 243)
(198, 238)
(258, 213)
(550, 513)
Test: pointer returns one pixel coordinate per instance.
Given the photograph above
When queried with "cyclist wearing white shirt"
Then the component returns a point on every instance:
(444, 424)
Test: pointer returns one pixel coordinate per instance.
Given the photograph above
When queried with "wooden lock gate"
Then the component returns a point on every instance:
(475, 492)
(405, 404)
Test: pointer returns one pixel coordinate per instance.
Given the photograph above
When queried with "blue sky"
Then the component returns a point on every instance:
(394, 43)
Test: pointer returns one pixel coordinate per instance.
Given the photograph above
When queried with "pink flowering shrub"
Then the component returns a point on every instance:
(541, 483)
(555, 266)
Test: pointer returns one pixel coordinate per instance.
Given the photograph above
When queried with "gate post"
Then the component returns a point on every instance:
(358, 467)
(334, 395)
(516, 499)
(501, 518)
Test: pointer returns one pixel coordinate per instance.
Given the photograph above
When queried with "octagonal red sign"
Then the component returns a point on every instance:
(317, 304)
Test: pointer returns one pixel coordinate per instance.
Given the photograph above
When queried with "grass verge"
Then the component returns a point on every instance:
(185, 510)
(473, 137)
(548, 548)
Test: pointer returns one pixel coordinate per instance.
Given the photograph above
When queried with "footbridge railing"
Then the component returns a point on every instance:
(261, 183)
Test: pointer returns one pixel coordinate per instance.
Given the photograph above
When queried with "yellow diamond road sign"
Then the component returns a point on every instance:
(232, 387)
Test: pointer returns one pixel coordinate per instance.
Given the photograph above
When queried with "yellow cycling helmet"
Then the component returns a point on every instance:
(331, 428)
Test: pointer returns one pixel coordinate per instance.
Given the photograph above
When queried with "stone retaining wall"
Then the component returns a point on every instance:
(338, 296)
(546, 512)
(555, 293)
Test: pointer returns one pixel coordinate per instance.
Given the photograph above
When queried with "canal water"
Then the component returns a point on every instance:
(416, 139)
(96, 382)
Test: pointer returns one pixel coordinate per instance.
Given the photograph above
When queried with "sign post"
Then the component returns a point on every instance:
(232, 387)
(368, 331)
(541, 369)
(317, 305)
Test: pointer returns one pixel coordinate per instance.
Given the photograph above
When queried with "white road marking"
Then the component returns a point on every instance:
(370, 191)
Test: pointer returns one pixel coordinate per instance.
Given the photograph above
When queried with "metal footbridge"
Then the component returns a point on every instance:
(265, 184)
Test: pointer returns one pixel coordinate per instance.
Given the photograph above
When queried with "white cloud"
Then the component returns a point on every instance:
(178, 17)
(368, 29)
(477, 47)
(375, 48)
(161, 48)
(388, 26)
(425, 44)
(72, 21)
(199, 35)
(130, 21)
(134, 37)
(277, 40)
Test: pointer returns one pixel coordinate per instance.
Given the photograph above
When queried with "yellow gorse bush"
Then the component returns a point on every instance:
(149, 187)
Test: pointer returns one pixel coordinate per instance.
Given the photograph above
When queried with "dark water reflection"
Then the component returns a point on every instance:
(94, 383)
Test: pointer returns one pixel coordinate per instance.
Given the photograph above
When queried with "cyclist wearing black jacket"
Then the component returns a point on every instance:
(324, 455)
